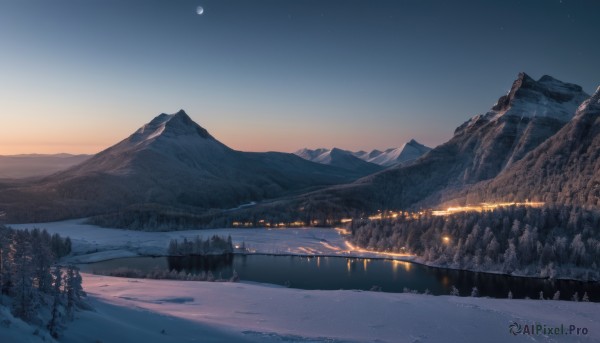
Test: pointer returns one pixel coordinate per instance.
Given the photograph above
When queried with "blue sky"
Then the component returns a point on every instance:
(79, 75)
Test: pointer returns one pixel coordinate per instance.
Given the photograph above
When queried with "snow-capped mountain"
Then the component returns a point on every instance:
(565, 169)
(167, 140)
(546, 97)
(339, 158)
(480, 150)
(530, 113)
(169, 162)
(410, 151)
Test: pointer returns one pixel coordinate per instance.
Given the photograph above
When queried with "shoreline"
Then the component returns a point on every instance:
(94, 244)
(407, 260)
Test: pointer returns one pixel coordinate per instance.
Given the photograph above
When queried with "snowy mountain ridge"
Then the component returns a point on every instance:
(546, 97)
(590, 105)
(482, 150)
(409, 151)
(569, 162)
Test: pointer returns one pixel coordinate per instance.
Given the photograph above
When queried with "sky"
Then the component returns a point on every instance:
(78, 76)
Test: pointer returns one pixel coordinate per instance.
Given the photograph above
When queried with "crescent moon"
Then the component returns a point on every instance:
(199, 10)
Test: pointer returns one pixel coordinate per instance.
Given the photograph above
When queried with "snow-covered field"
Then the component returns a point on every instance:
(92, 243)
(131, 310)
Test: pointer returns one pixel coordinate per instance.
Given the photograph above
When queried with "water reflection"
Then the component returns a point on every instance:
(197, 264)
(355, 273)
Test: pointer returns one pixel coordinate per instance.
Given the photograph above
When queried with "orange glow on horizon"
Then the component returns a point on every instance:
(58, 148)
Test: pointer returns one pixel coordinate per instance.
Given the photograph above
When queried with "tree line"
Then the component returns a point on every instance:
(215, 245)
(32, 285)
(552, 241)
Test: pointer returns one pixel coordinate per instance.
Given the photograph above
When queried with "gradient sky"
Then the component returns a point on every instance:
(79, 75)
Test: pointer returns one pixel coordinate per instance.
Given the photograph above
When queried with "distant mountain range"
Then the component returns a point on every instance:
(540, 141)
(339, 158)
(409, 152)
(34, 165)
(173, 163)
(530, 145)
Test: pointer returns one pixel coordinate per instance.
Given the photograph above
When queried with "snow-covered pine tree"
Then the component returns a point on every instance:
(73, 289)
(54, 325)
(575, 297)
(229, 245)
(24, 294)
(585, 298)
(5, 265)
(41, 260)
(511, 261)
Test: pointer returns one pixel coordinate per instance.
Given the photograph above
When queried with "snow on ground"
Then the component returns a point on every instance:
(238, 312)
(14, 330)
(92, 243)
(128, 310)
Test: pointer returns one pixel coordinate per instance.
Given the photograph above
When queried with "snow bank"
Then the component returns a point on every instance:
(15, 330)
(267, 314)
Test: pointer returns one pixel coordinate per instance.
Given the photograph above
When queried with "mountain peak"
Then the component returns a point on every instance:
(181, 124)
(591, 105)
(547, 78)
(547, 97)
(524, 77)
(169, 125)
(523, 81)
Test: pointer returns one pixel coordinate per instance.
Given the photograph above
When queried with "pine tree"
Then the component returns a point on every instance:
(41, 260)
(556, 296)
(541, 295)
(585, 298)
(454, 291)
(5, 265)
(511, 261)
(73, 289)
(235, 277)
(23, 292)
(575, 297)
(510, 295)
(54, 326)
(67, 246)
(229, 245)
(474, 292)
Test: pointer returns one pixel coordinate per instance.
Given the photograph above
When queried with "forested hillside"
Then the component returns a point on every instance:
(554, 242)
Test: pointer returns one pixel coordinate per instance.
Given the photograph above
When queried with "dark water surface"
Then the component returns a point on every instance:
(330, 273)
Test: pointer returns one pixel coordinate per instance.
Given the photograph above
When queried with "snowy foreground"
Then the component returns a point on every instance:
(132, 310)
